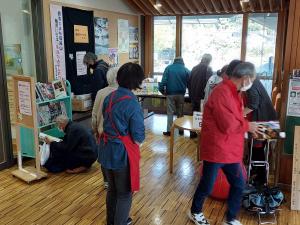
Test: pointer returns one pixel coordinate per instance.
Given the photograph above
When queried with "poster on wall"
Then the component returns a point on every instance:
(123, 36)
(81, 68)
(133, 43)
(58, 47)
(24, 95)
(13, 59)
(293, 107)
(113, 56)
(101, 36)
(81, 34)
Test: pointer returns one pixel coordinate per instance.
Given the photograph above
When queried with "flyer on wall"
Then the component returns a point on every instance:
(123, 36)
(113, 56)
(101, 36)
(81, 68)
(293, 107)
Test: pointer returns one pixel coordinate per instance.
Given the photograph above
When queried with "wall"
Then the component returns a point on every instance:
(291, 61)
(112, 20)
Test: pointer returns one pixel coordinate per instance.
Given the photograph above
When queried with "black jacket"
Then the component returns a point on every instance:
(78, 145)
(198, 79)
(99, 77)
(259, 101)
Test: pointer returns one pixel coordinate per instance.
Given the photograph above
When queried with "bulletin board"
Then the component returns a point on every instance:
(25, 108)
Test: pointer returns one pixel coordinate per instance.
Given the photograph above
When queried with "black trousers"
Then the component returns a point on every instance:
(119, 196)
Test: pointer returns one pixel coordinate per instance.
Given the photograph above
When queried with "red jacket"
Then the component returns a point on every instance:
(223, 127)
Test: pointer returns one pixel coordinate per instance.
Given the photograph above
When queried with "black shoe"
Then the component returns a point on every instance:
(129, 221)
(181, 132)
(167, 133)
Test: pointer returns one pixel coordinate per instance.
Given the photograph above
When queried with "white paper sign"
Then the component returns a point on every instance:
(24, 98)
(123, 36)
(293, 106)
(197, 120)
(81, 67)
(58, 47)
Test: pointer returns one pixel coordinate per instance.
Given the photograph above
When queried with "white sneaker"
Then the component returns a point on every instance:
(198, 218)
(233, 222)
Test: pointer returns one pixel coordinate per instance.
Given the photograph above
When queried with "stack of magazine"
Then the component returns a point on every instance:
(48, 113)
(270, 130)
(45, 92)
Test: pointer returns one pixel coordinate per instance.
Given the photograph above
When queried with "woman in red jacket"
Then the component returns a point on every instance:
(222, 140)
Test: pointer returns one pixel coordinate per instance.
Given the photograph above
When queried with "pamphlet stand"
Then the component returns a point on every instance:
(27, 127)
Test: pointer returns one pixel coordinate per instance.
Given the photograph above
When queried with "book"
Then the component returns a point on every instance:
(45, 90)
(59, 89)
(43, 136)
(47, 113)
(270, 130)
(44, 116)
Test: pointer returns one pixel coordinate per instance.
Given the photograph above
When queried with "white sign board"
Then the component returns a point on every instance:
(58, 46)
(24, 98)
(293, 106)
(80, 66)
(197, 120)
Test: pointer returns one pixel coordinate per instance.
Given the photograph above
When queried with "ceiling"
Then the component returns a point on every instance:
(196, 7)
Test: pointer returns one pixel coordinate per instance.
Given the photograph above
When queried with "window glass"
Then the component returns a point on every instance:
(164, 42)
(219, 36)
(261, 42)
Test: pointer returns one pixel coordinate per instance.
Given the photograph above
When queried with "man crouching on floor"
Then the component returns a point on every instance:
(76, 152)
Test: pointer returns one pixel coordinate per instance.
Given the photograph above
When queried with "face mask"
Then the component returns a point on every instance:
(247, 87)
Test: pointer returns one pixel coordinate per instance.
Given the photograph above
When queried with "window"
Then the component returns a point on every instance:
(219, 36)
(261, 41)
(164, 42)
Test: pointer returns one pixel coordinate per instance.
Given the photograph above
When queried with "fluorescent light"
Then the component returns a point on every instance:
(158, 4)
(244, 1)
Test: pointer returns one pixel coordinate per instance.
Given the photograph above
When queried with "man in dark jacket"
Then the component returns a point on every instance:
(99, 68)
(259, 107)
(173, 85)
(198, 79)
(76, 152)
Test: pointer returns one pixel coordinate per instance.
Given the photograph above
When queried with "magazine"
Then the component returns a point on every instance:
(48, 113)
(270, 130)
(45, 91)
(59, 88)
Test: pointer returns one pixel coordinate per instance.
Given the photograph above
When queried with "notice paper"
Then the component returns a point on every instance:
(24, 98)
(80, 66)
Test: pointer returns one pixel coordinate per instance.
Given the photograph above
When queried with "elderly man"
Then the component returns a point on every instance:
(99, 68)
(76, 152)
(173, 85)
(222, 142)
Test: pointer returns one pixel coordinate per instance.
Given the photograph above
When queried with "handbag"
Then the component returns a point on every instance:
(44, 153)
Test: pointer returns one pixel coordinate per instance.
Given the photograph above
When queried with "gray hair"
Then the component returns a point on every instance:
(206, 58)
(89, 56)
(62, 119)
(244, 69)
(111, 76)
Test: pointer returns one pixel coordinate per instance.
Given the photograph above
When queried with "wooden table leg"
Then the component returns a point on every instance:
(171, 148)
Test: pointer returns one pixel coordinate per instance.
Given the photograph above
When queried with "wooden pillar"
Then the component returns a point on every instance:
(178, 35)
(149, 45)
(244, 36)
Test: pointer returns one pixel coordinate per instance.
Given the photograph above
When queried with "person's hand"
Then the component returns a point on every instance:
(47, 140)
(255, 129)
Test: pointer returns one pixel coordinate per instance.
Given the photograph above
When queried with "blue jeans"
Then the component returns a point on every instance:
(235, 178)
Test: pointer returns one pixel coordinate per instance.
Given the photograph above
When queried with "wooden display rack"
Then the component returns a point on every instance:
(295, 196)
(25, 111)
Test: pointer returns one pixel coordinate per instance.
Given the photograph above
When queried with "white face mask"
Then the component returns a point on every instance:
(247, 87)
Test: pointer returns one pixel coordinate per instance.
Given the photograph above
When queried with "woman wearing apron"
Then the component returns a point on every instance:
(123, 132)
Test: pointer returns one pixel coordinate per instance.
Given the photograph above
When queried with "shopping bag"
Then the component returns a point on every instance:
(44, 153)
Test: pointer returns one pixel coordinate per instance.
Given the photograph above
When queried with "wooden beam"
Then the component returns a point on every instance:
(178, 35)
(175, 7)
(244, 36)
(206, 5)
(233, 5)
(252, 6)
(148, 45)
(137, 6)
(271, 5)
(225, 6)
(197, 6)
(179, 6)
(261, 5)
(191, 9)
(215, 5)
(171, 6)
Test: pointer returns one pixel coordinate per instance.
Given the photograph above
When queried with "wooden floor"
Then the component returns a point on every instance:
(80, 199)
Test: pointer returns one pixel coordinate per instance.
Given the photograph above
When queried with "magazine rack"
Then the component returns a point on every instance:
(27, 126)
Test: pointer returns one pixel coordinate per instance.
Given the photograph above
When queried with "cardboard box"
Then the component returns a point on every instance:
(82, 105)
